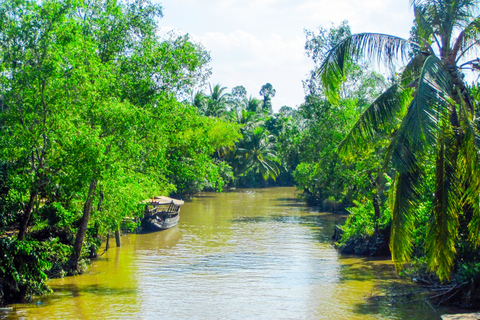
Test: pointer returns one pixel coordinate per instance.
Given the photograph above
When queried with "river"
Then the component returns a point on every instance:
(249, 254)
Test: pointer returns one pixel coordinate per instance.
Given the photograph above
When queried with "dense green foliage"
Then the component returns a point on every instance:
(98, 113)
(310, 142)
(254, 160)
(91, 125)
(436, 120)
(427, 119)
(402, 153)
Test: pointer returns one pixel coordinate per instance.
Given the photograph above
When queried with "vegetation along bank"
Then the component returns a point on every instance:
(98, 113)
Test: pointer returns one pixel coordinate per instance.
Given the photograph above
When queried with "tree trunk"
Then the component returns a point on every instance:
(377, 185)
(82, 228)
(376, 208)
(117, 238)
(26, 215)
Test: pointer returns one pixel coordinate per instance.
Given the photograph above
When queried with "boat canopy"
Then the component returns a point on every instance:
(165, 200)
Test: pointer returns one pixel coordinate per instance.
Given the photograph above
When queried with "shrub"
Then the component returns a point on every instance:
(362, 234)
(22, 269)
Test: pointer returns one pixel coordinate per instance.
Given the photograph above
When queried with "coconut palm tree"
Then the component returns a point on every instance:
(199, 100)
(217, 101)
(256, 151)
(430, 111)
(253, 104)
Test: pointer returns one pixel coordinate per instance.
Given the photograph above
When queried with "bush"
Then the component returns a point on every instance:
(22, 269)
(468, 278)
(363, 235)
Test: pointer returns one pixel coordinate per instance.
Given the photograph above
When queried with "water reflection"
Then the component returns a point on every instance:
(249, 254)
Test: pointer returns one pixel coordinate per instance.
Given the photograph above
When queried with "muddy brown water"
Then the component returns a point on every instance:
(248, 254)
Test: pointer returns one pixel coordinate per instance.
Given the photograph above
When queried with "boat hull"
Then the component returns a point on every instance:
(161, 213)
(159, 222)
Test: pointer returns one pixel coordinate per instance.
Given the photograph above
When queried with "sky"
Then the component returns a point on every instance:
(252, 42)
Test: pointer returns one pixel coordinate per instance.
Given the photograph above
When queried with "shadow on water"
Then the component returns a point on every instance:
(390, 297)
(366, 269)
(399, 300)
(74, 290)
(291, 202)
(298, 200)
(413, 310)
(199, 196)
(404, 300)
(268, 219)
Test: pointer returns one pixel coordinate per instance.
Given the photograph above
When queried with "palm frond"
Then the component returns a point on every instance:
(376, 47)
(412, 71)
(474, 225)
(404, 150)
(406, 159)
(470, 38)
(447, 16)
(424, 27)
(418, 130)
(376, 118)
(432, 97)
(442, 231)
(462, 11)
(403, 216)
(269, 168)
(469, 168)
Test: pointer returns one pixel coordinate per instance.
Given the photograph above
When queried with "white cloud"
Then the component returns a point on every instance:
(257, 41)
(241, 58)
(271, 51)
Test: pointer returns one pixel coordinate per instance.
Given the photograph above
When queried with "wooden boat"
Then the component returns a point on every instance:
(161, 213)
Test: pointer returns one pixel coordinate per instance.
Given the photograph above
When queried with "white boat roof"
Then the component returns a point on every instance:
(165, 200)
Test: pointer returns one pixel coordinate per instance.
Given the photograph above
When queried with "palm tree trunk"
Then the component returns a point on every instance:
(82, 228)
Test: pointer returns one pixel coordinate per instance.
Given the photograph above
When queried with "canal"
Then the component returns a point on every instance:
(248, 254)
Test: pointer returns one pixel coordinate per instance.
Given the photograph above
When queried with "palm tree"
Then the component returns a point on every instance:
(256, 151)
(432, 113)
(249, 119)
(217, 101)
(200, 101)
(253, 104)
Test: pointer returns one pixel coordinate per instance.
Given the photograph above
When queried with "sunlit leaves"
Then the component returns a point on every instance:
(380, 48)
(376, 118)
(440, 120)
(442, 233)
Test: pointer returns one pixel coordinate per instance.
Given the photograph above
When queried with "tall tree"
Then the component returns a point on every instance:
(257, 152)
(239, 94)
(267, 92)
(438, 119)
(33, 116)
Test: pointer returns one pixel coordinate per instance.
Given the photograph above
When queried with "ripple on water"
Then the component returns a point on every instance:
(238, 255)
